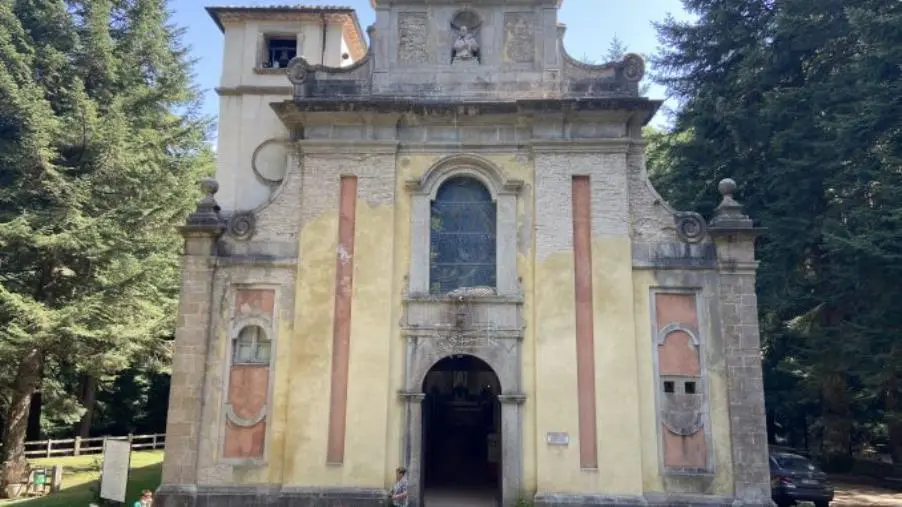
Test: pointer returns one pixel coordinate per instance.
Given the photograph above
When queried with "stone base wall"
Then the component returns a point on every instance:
(250, 496)
(650, 499)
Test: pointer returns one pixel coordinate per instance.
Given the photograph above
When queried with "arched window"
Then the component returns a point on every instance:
(252, 346)
(462, 237)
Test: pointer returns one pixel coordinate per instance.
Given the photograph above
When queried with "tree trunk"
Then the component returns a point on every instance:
(34, 416)
(837, 421)
(89, 401)
(12, 454)
(892, 405)
(771, 428)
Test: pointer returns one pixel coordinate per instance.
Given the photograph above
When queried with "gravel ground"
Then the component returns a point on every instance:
(850, 494)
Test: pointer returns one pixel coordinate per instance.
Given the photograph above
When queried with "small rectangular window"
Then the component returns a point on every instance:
(690, 387)
(668, 386)
(279, 51)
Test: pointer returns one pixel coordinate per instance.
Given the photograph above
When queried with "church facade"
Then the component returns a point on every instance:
(442, 252)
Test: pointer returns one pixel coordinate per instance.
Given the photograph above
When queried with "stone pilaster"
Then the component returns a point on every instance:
(511, 448)
(734, 235)
(201, 232)
(413, 446)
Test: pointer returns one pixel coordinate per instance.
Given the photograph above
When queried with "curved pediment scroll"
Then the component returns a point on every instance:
(319, 80)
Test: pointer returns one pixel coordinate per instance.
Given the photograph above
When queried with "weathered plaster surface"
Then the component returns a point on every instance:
(654, 479)
(390, 120)
(371, 324)
(213, 469)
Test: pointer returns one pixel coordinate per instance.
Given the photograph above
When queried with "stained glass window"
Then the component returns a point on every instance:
(462, 246)
(251, 347)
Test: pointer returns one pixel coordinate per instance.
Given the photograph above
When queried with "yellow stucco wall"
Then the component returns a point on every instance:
(617, 403)
(373, 344)
(626, 421)
(375, 412)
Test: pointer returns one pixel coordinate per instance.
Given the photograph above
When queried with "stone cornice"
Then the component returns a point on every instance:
(603, 145)
(343, 147)
(257, 261)
(407, 105)
(354, 110)
(269, 71)
(445, 147)
(737, 268)
(253, 90)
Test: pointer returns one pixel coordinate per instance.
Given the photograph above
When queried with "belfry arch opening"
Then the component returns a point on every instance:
(462, 429)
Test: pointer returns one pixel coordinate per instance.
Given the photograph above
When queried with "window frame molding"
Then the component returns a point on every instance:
(264, 35)
(259, 322)
(504, 193)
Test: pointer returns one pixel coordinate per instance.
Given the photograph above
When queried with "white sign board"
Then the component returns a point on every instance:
(557, 438)
(114, 478)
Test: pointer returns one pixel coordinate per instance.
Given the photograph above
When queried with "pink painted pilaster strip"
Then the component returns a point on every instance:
(341, 328)
(585, 348)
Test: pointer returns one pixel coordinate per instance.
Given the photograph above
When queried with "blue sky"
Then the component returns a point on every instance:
(591, 25)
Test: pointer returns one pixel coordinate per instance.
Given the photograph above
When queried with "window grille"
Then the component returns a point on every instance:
(252, 346)
(462, 237)
(280, 51)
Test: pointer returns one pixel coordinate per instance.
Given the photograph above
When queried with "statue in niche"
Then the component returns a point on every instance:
(465, 47)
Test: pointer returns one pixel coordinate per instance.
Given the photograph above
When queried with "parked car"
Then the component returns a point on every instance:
(794, 478)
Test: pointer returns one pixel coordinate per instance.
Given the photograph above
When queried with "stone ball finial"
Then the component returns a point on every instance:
(727, 187)
(209, 186)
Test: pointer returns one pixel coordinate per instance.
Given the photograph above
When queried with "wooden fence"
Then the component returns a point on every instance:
(81, 446)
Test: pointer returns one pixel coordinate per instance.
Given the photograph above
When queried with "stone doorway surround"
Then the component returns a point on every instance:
(511, 418)
(484, 324)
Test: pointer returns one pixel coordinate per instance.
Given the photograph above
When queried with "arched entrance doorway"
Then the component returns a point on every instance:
(461, 451)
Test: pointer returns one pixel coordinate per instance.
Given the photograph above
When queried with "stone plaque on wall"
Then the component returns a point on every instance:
(557, 438)
(519, 37)
(412, 38)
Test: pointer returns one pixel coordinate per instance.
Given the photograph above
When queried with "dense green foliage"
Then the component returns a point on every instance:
(100, 151)
(801, 103)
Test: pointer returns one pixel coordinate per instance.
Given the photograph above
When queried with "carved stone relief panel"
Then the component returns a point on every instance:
(519, 37)
(490, 328)
(413, 38)
(682, 399)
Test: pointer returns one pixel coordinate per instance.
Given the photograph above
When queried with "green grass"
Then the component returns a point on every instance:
(80, 475)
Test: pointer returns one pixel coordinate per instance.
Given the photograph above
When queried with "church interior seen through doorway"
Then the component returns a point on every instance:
(462, 431)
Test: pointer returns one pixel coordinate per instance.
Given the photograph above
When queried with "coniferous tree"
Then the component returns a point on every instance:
(616, 50)
(101, 147)
(797, 102)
